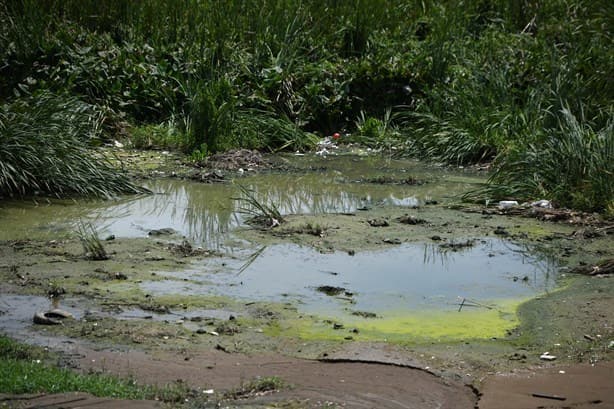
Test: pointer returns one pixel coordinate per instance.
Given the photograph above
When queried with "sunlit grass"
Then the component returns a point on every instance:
(44, 150)
(26, 369)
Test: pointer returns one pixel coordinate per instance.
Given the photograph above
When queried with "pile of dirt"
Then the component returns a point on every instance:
(234, 160)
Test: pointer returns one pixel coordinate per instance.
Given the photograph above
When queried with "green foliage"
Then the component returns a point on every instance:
(262, 213)
(44, 150)
(376, 132)
(167, 135)
(92, 245)
(572, 165)
(26, 369)
(467, 83)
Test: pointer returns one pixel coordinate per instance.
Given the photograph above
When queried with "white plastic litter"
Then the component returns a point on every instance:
(506, 204)
(547, 357)
(542, 203)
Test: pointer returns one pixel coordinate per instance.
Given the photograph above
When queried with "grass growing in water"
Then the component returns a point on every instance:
(262, 213)
(90, 240)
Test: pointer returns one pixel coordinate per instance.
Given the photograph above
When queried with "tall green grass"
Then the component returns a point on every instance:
(44, 149)
(467, 83)
(572, 164)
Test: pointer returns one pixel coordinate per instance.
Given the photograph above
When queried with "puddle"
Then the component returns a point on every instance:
(412, 279)
(410, 288)
(206, 213)
(16, 312)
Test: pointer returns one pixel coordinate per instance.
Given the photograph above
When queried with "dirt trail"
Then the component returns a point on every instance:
(580, 386)
(348, 384)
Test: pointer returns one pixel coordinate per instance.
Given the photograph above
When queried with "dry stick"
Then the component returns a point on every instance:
(461, 305)
(546, 396)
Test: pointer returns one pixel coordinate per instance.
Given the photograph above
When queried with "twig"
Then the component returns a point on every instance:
(251, 259)
(547, 396)
(472, 303)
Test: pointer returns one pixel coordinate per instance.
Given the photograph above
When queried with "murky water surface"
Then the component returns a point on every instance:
(205, 213)
(399, 278)
(403, 278)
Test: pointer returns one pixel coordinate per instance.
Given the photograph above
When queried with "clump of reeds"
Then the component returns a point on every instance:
(263, 214)
(572, 165)
(91, 242)
(44, 149)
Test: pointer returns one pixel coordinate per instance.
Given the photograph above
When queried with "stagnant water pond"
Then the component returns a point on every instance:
(389, 290)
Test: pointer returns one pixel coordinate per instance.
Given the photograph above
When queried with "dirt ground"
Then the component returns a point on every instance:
(164, 344)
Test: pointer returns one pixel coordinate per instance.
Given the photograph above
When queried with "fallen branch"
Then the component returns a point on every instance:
(547, 396)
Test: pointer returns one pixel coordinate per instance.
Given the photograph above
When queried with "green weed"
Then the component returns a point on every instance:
(44, 150)
(572, 164)
(27, 369)
(262, 213)
(90, 240)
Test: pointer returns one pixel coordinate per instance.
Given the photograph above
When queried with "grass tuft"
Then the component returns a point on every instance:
(572, 165)
(44, 150)
(263, 214)
(90, 240)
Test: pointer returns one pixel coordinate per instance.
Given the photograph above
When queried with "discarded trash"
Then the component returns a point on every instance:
(547, 357)
(51, 317)
(506, 204)
(542, 203)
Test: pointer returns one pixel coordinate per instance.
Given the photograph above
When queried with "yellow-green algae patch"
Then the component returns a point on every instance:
(409, 326)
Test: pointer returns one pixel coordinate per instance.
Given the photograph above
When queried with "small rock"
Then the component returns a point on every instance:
(167, 231)
(408, 219)
(500, 231)
(436, 238)
(330, 290)
(110, 237)
(378, 222)
(392, 241)
(337, 326)
(222, 348)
